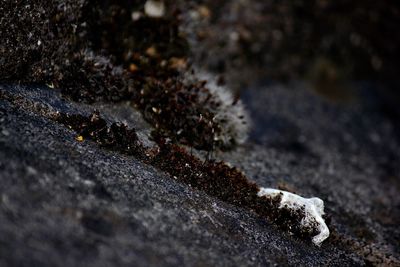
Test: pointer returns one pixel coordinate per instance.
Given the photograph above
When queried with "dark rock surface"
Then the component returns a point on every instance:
(70, 203)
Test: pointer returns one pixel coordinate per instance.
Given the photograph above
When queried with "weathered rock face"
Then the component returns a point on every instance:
(344, 153)
(65, 202)
(79, 188)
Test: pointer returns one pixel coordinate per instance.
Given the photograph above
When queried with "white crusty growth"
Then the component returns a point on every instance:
(313, 208)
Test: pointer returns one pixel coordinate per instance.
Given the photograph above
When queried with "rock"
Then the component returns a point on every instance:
(154, 8)
(69, 203)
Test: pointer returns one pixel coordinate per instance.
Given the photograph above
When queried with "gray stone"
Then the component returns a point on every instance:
(70, 203)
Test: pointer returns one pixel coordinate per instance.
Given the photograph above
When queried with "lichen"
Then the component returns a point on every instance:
(313, 209)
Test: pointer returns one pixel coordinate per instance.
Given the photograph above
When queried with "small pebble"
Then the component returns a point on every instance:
(155, 9)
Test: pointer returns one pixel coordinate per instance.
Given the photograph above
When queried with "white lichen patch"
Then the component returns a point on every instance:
(313, 209)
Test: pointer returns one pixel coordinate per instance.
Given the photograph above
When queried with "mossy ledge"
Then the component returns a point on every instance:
(217, 179)
(96, 51)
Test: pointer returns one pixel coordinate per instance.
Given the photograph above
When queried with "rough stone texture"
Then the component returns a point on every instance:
(345, 153)
(70, 203)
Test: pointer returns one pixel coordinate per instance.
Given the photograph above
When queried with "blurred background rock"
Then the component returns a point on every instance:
(330, 43)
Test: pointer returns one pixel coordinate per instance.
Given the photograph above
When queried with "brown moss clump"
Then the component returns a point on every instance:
(116, 137)
(184, 113)
(217, 179)
(95, 51)
(229, 185)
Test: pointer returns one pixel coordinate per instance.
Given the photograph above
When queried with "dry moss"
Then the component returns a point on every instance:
(116, 137)
(217, 179)
(94, 51)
